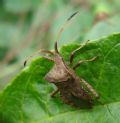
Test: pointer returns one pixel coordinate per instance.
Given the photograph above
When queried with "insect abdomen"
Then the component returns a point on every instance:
(74, 95)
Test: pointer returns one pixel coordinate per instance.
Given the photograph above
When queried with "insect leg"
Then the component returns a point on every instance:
(54, 92)
(82, 61)
(50, 59)
(90, 88)
(43, 51)
(73, 52)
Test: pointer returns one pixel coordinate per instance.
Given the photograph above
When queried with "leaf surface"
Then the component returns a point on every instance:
(27, 98)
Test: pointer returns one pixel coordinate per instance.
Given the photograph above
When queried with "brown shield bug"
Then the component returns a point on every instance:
(74, 90)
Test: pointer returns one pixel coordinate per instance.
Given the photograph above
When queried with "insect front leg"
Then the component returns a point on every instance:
(54, 92)
(73, 52)
(49, 59)
(83, 61)
(40, 51)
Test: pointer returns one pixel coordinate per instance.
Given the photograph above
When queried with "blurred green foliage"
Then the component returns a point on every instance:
(29, 25)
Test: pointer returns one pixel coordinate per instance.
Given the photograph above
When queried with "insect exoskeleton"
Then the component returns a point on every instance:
(73, 90)
(68, 83)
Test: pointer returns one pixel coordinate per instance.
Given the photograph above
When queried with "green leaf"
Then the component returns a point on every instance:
(104, 28)
(20, 6)
(6, 32)
(27, 98)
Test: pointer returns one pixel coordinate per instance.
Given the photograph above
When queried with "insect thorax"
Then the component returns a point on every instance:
(57, 74)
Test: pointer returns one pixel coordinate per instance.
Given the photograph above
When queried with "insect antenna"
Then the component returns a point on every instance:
(64, 25)
(39, 51)
(56, 48)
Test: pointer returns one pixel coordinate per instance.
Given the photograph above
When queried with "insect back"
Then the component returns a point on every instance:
(70, 86)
